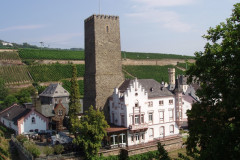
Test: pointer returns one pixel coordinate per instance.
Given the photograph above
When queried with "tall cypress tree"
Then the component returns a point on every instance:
(74, 105)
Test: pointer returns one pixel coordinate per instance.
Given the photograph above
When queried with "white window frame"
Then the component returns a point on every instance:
(150, 121)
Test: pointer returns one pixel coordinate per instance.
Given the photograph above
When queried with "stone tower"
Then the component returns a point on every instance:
(171, 75)
(103, 67)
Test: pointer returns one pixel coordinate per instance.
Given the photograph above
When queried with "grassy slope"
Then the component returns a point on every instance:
(138, 55)
(53, 72)
(51, 54)
(159, 73)
(79, 55)
(9, 56)
(14, 73)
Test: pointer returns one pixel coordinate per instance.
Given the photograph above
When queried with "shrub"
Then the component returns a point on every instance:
(145, 156)
(32, 148)
(58, 149)
(48, 150)
(21, 138)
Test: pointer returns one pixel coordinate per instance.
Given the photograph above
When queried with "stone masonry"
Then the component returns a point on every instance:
(103, 66)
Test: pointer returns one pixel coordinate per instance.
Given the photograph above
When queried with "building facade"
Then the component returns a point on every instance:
(23, 119)
(54, 94)
(146, 108)
(103, 67)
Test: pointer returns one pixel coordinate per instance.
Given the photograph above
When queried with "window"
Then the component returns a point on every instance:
(161, 132)
(122, 138)
(122, 106)
(137, 119)
(180, 99)
(171, 129)
(150, 104)
(137, 137)
(136, 94)
(132, 138)
(150, 117)
(151, 132)
(114, 139)
(107, 29)
(33, 120)
(170, 102)
(161, 103)
(143, 136)
(161, 116)
(142, 118)
(136, 104)
(180, 114)
(170, 114)
(60, 112)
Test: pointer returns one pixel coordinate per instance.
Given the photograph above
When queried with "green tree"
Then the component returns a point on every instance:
(163, 154)
(74, 105)
(23, 96)
(9, 100)
(3, 90)
(4, 147)
(214, 122)
(91, 131)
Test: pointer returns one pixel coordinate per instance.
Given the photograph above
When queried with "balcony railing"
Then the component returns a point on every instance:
(138, 126)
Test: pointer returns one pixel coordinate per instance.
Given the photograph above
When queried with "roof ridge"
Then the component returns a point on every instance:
(15, 104)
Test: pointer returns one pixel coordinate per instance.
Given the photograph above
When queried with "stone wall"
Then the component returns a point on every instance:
(159, 62)
(171, 144)
(103, 67)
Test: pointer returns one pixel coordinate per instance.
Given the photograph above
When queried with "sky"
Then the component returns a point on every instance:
(153, 26)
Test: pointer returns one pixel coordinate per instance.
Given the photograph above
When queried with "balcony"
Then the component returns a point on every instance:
(138, 127)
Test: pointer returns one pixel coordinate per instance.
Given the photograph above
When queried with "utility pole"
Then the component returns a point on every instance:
(42, 44)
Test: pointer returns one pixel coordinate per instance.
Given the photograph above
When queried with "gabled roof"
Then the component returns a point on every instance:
(189, 99)
(55, 90)
(152, 87)
(15, 112)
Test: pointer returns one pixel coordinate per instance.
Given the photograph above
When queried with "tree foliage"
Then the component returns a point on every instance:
(163, 154)
(91, 131)
(74, 105)
(214, 123)
(4, 147)
(3, 90)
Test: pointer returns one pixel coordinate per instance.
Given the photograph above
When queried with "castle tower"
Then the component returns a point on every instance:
(103, 67)
(171, 75)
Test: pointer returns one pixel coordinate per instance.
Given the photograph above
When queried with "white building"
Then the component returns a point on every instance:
(7, 44)
(185, 96)
(23, 119)
(146, 109)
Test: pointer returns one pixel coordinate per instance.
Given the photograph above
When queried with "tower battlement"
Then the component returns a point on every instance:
(101, 16)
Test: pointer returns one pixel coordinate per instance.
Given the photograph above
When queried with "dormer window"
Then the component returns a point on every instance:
(151, 89)
(33, 120)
